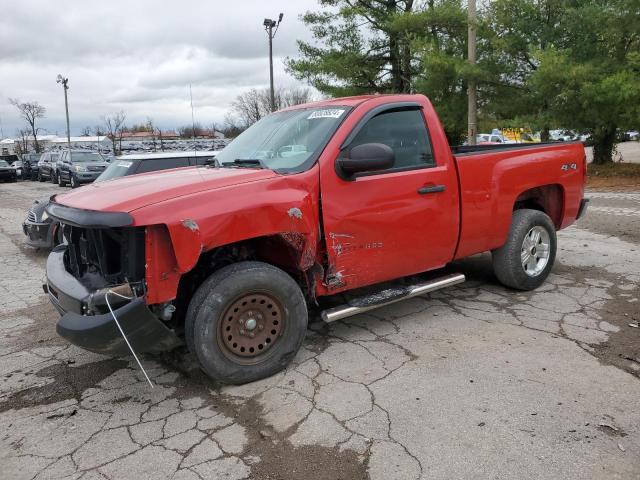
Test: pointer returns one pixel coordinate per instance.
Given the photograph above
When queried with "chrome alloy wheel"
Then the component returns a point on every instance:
(535, 251)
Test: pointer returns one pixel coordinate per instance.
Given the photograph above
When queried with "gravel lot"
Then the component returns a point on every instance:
(472, 382)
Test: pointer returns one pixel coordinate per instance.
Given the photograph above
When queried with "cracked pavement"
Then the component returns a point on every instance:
(475, 381)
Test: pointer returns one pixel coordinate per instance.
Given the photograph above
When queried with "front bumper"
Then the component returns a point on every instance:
(86, 177)
(39, 234)
(99, 333)
(8, 175)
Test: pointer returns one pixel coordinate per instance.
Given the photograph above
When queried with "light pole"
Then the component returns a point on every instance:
(65, 86)
(271, 27)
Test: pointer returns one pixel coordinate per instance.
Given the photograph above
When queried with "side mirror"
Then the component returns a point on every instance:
(365, 158)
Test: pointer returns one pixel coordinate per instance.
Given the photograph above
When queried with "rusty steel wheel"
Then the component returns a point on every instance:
(246, 322)
(250, 326)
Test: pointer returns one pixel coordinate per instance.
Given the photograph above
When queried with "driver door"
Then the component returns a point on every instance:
(392, 223)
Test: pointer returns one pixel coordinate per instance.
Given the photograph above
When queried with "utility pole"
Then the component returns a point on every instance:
(65, 86)
(471, 86)
(271, 27)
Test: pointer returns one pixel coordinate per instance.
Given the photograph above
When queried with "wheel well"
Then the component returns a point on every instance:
(548, 199)
(283, 251)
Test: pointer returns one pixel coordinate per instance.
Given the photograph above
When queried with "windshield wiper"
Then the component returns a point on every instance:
(244, 162)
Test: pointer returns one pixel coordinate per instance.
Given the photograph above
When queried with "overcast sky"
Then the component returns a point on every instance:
(140, 56)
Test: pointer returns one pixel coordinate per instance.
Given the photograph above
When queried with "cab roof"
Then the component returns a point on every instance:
(353, 101)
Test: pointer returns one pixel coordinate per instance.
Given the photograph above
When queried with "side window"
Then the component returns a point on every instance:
(405, 132)
(162, 164)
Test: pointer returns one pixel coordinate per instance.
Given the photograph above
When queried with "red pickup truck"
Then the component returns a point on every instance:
(311, 201)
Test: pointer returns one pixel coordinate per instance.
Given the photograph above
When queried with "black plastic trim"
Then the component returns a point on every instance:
(466, 150)
(584, 203)
(88, 218)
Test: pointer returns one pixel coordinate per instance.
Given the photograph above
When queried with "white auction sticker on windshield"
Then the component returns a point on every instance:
(329, 113)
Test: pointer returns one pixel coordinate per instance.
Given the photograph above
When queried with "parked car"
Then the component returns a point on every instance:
(562, 135)
(7, 172)
(42, 231)
(30, 164)
(75, 167)
(11, 160)
(492, 139)
(19, 168)
(227, 258)
(47, 167)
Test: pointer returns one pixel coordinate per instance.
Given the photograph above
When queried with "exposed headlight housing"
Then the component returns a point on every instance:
(44, 215)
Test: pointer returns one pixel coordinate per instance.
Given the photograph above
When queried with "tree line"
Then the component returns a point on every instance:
(543, 63)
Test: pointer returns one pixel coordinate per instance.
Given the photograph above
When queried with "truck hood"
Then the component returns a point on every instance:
(126, 194)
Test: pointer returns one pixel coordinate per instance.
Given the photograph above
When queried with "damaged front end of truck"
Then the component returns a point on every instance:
(98, 273)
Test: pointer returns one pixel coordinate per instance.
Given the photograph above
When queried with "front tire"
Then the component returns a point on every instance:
(246, 322)
(61, 182)
(74, 182)
(54, 178)
(526, 259)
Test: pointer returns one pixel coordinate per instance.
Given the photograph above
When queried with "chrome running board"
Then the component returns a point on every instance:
(388, 296)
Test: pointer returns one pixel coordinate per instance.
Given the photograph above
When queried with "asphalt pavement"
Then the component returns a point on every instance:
(476, 381)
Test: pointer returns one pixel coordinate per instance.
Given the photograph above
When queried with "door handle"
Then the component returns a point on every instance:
(431, 189)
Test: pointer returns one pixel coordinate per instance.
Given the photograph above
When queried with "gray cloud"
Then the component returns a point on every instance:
(139, 56)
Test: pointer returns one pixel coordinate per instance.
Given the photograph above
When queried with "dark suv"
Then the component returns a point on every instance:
(47, 167)
(30, 165)
(79, 166)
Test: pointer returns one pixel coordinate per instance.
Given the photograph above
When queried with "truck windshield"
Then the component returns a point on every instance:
(283, 140)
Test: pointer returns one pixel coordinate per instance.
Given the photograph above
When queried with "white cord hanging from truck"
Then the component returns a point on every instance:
(106, 297)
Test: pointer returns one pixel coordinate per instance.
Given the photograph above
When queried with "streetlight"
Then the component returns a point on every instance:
(65, 86)
(271, 27)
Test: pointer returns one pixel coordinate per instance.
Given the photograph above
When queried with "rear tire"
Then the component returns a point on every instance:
(246, 322)
(526, 259)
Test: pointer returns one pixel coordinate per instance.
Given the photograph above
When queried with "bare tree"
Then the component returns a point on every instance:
(23, 144)
(251, 106)
(150, 127)
(213, 128)
(114, 126)
(232, 127)
(159, 132)
(86, 131)
(98, 130)
(30, 112)
(295, 96)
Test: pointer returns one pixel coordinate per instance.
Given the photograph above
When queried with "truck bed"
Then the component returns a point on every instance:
(494, 178)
